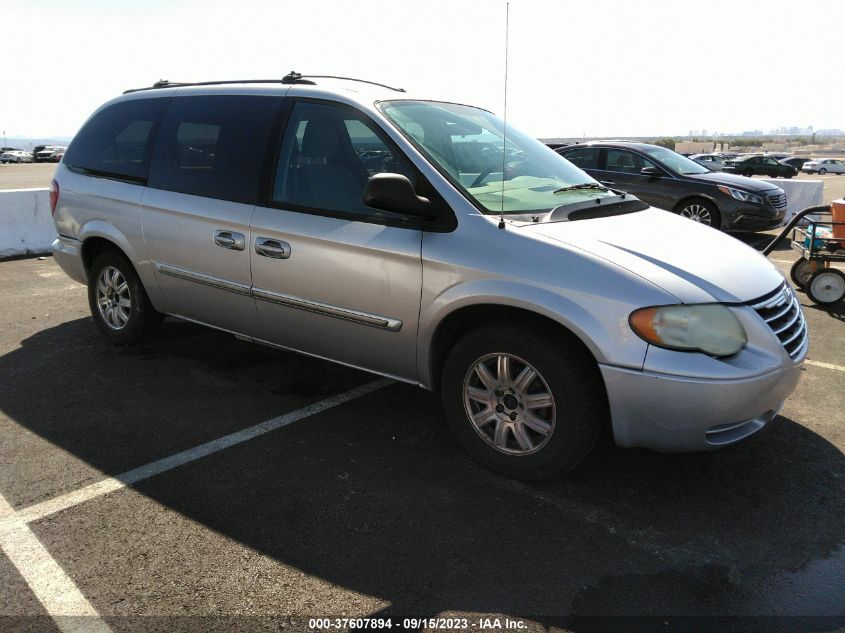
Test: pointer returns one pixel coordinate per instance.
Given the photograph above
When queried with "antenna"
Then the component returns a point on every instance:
(505, 131)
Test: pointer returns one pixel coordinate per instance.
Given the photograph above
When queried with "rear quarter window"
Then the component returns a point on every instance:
(117, 141)
(214, 146)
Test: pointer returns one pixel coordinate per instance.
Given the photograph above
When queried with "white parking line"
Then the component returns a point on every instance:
(825, 365)
(63, 601)
(51, 506)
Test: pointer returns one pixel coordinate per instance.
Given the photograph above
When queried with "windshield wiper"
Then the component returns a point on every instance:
(583, 185)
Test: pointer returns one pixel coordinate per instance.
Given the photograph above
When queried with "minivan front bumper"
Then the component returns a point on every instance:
(674, 414)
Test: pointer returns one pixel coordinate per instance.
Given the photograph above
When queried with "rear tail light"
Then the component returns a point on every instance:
(54, 196)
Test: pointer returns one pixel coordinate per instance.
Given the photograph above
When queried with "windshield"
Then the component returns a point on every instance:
(466, 144)
(674, 161)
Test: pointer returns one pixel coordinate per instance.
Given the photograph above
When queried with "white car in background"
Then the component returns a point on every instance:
(713, 162)
(824, 166)
(15, 156)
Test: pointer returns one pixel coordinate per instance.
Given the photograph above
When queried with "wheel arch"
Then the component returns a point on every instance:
(94, 246)
(98, 236)
(465, 318)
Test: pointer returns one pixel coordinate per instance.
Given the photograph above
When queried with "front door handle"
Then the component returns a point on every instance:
(230, 240)
(268, 247)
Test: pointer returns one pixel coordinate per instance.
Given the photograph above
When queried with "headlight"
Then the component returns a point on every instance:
(710, 328)
(740, 195)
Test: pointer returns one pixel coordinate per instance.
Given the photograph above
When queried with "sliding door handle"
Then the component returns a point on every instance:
(268, 247)
(230, 240)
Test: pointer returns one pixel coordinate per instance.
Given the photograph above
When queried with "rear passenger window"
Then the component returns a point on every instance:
(117, 140)
(213, 146)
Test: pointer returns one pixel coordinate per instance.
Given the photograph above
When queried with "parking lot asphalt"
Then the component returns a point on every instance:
(366, 507)
(26, 175)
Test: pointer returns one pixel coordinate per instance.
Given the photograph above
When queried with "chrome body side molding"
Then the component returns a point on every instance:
(363, 318)
(326, 309)
(201, 278)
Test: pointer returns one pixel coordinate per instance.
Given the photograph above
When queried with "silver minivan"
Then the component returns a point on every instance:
(423, 241)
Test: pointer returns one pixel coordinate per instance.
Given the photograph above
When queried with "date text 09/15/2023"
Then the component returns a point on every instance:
(416, 624)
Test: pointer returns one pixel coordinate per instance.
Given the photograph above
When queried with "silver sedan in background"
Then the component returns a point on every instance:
(713, 162)
(15, 156)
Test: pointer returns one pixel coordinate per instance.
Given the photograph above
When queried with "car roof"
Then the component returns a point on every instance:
(347, 88)
(621, 144)
(357, 92)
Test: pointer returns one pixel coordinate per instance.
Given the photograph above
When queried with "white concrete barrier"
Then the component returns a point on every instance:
(800, 194)
(26, 224)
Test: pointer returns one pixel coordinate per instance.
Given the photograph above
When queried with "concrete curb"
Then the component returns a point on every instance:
(26, 224)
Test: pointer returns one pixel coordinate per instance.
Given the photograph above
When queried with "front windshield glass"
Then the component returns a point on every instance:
(674, 161)
(467, 144)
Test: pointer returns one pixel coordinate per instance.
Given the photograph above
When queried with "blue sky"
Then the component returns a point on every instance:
(597, 68)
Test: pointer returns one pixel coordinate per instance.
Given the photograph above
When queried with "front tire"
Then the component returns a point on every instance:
(523, 404)
(119, 304)
(701, 211)
(822, 171)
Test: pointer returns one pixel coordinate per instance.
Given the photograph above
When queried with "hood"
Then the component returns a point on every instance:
(692, 262)
(732, 180)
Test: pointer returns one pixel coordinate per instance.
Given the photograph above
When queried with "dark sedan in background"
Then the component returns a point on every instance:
(667, 180)
(795, 161)
(760, 166)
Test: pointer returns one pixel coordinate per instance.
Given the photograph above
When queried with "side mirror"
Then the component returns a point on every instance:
(394, 192)
(653, 172)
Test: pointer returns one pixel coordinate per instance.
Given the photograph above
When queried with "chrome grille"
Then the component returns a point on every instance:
(782, 312)
(777, 200)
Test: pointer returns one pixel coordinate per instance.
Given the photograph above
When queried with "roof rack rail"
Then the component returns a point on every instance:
(292, 77)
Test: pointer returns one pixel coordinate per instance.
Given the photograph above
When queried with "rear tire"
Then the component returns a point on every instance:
(119, 304)
(539, 408)
(826, 287)
(822, 171)
(748, 173)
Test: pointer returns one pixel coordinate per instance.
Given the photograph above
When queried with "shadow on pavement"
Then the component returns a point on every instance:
(376, 496)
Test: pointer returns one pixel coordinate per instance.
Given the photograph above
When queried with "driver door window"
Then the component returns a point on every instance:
(327, 156)
(626, 162)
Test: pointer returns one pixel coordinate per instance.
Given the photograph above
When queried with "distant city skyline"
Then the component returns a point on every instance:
(780, 131)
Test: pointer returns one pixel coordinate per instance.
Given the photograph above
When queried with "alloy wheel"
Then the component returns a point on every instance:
(509, 404)
(113, 299)
(697, 213)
